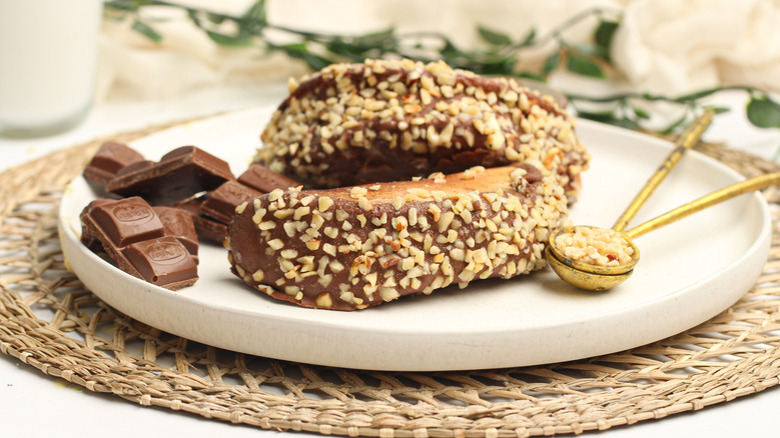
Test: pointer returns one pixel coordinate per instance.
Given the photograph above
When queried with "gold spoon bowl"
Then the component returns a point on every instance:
(586, 275)
(598, 278)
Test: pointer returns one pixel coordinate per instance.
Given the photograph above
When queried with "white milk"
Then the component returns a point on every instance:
(48, 54)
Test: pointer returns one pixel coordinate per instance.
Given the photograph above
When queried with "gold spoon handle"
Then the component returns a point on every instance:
(686, 141)
(726, 193)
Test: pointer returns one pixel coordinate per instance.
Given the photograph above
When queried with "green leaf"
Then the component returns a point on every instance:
(147, 31)
(529, 38)
(228, 40)
(195, 17)
(697, 95)
(640, 113)
(764, 112)
(256, 11)
(450, 51)
(494, 37)
(531, 75)
(214, 18)
(608, 117)
(296, 50)
(354, 52)
(121, 5)
(674, 125)
(586, 50)
(316, 62)
(378, 38)
(584, 66)
(301, 51)
(604, 33)
(718, 109)
(551, 63)
(503, 66)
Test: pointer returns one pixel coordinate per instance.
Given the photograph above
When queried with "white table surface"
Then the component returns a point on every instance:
(27, 396)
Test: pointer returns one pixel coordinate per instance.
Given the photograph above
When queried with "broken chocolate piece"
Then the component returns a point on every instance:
(107, 162)
(210, 229)
(222, 202)
(132, 235)
(206, 227)
(265, 180)
(180, 174)
(138, 165)
(89, 240)
(178, 223)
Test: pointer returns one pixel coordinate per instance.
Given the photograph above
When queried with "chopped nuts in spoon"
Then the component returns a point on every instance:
(595, 246)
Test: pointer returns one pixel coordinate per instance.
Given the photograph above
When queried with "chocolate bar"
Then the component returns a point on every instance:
(265, 180)
(180, 174)
(133, 236)
(107, 162)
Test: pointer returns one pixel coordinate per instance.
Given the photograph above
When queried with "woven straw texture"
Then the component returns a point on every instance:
(49, 321)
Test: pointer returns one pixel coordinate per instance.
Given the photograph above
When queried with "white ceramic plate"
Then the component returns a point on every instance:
(689, 272)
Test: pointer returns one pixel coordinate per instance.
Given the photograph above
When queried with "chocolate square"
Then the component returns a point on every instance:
(162, 261)
(126, 221)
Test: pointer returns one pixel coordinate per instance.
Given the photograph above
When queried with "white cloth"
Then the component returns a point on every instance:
(662, 46)
(669, 46)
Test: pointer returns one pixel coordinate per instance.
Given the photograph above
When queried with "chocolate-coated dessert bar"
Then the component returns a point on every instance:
(133, 236)
(180, 174)
(107, 162)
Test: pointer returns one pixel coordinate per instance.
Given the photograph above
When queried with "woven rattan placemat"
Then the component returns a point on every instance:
(49, 321)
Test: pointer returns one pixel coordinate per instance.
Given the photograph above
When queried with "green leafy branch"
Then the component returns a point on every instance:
(500, 55)
(622, 109)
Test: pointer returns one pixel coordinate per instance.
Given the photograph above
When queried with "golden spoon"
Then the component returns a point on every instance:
(686, 141)
(596, 277)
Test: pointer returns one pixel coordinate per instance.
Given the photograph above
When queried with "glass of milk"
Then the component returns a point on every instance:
(48, 57)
